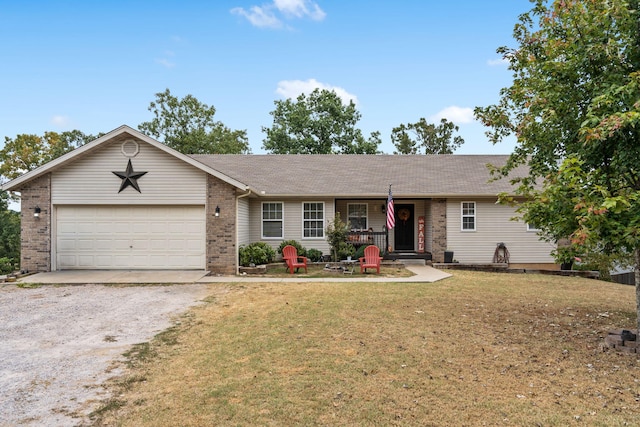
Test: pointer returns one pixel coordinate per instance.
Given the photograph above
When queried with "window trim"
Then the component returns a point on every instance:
(474, 216)
(262, 221)
(324, 210)
(532, 228)
(366, 216)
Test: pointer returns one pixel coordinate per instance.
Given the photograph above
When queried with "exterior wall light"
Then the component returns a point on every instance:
(36, 212)
(217, 212)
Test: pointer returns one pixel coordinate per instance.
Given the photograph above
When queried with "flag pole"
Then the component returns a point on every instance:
(386, 226)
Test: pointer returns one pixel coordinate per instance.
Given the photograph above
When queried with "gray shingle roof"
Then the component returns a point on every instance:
(363, 175)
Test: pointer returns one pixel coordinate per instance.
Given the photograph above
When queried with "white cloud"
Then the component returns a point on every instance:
(293, 88)
(259, 17)
(498, 62)
(454, 114)
(60, 121)
(300, 9)
(266, 16)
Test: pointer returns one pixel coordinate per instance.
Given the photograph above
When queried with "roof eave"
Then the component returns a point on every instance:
(376, 196)
(15, 184)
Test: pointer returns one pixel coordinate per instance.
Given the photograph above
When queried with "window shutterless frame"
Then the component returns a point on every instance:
(357, 216)
(313, 220)
(272, 222)
(468, 216)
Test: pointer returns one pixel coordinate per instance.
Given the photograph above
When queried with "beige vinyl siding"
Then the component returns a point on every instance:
(90, 180)
(244, 235)
(292, 211)
(493, 226)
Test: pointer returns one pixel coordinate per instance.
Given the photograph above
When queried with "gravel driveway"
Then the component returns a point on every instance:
(58, 344)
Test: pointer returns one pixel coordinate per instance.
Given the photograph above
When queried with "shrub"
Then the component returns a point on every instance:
(360, 252)
(256, 253)
(344, 250)
(6, 265)
(315, 255)
(301, 250)
(337, 232)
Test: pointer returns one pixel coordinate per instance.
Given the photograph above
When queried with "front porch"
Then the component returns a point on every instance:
(419, 232)
(380, 239)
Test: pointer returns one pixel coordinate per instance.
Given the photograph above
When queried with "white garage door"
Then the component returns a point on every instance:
(130, 237)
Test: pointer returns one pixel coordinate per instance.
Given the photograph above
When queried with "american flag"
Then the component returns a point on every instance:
(391, 214)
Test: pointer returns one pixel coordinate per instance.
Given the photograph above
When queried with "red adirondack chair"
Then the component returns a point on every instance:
(290, 256)
(371, 259)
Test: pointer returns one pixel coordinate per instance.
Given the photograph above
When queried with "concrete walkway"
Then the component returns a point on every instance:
(423, 274)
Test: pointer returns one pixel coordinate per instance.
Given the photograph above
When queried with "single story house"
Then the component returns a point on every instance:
(127, 201)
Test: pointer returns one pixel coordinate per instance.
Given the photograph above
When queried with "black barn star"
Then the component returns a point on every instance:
(129, 178)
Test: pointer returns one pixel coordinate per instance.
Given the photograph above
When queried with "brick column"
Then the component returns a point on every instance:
(221, 230)
(35, 254)
(439, 218)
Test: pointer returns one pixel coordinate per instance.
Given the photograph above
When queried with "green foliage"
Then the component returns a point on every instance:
(427, 138)
(345, 250)
(576, 97)
(601, 262)
(315, 255)
(256, 253)
(26, 152)
(9, 236)
(317, 124)
(575, 87)
(6, 265)
(567, 254)
(337, 232)
(299, 248)
(188, 126)
(360, 252)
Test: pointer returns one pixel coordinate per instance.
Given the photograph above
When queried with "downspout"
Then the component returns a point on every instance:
(237, 232)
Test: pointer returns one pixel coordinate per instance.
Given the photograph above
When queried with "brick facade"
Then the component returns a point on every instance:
(36, 232)
(221, 231)
(439, 215)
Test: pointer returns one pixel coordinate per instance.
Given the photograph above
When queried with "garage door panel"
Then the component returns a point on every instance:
(84, 244)
(85, 261)
(149, 237)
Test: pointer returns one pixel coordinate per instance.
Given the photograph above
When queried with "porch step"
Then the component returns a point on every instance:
(408, 256)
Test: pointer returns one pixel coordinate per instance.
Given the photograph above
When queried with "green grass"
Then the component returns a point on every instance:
(475, 349)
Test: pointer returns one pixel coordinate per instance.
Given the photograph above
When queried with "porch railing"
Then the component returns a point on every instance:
(366, 238)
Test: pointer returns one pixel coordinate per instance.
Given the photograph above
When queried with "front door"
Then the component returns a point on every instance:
(404, 229)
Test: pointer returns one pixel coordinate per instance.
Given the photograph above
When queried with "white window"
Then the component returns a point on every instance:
(357, 216)
(313, 220)
(468, 216)
(272, 220)
(532, 227)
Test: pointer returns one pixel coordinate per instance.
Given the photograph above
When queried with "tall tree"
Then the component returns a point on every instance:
(426, 138)
(574, 107)
(9, 236)
(187, 125)
(26, 151)
(317, 124)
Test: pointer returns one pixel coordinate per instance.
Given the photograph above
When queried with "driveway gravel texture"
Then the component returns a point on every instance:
(60, 344)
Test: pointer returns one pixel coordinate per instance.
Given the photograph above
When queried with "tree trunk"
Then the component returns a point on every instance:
(636, 271)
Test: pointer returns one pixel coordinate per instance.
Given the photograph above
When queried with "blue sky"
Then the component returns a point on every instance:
(94, 66)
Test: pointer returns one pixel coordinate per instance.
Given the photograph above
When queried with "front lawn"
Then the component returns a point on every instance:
(474, 349)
